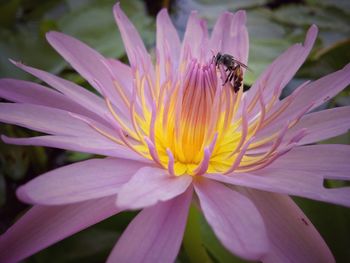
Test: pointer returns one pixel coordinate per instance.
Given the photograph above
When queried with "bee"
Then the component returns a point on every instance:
(233, 67)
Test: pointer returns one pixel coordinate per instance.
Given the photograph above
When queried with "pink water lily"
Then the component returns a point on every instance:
(171, 131)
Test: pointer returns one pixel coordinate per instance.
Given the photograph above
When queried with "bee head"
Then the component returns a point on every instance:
(217, 58)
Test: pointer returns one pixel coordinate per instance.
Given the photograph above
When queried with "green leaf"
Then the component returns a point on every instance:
(231, 5)
(303, 15)
(91, 245)
(77, 156)
(327, 60)
(15, 161)
(28, 46)
(8, 11)
(341, 139)
(94, 24)
(341, 5)
(91, 22)
(200, 243)
(267, 41)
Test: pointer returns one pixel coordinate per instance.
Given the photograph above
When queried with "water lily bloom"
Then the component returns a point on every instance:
(173, 133)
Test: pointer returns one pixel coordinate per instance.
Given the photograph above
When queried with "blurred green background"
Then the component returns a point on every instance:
(273, 26)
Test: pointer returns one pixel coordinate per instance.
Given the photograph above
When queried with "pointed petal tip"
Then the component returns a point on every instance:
(14, 62)
(241, 11)
(23, 196)
(314, 27)
(50, 34)
(162, 17)
(194, 14)
(117, 5)
(5, 138)
(241, 14)
(53, 36)
(117, 10)
(311, 36)
(12, 140)
(225, 15)
(18, 64)
(163, 11)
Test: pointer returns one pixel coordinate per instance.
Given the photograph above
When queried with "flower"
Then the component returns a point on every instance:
(172, 131)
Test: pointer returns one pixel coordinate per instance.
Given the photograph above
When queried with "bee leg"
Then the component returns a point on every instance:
(231, 77)
(227, 78)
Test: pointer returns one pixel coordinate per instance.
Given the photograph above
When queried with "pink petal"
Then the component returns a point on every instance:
(307, 184)
(133, 43)
(88, 62)
(53, 121)
(293, 238)
(321, 90)
(195, 39)
(313, 94)
(43, 226)
(155, 235)
(230, 36)
(319, 126)
(323, 124)
(168, 43)
(32, 93)
(234, 219)
(330, 160)
(282, 69)
(150, 186)
(44, 119)
(92, 145)
(79, 182)
(122, 73)
(74, 92)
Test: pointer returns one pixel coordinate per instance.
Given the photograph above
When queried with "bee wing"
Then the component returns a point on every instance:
(241, 64)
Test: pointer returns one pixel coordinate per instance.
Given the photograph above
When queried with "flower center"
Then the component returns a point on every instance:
(194, 125)
(187, 127)
(190, 123)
